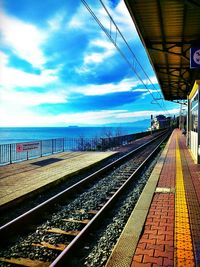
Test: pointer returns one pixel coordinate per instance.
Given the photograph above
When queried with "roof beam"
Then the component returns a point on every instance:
(167, 51)
(182, 51)
(172, 68)
(177, 43)
(160, 17)
(175, 88)
(192, 3)
(174, 75)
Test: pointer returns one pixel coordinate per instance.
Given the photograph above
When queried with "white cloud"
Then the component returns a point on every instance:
(102, 44)
(26, 41)
(75, 22)
(84, 69)
(83, 20)
(128, 115)
(101, 89)
(142, 114)
(26, 118)
(11, 77)
(17, 78)
(10, 98)
(23, 117)
(23, 39)
(151, 80)
(4, 59)
(12, 101)
(79, 19)
(95, 57)
(122, 18)
(96, 117)
(15, 107)
(55, 23)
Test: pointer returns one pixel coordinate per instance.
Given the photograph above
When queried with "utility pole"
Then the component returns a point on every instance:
(180, 117)
(151, 123)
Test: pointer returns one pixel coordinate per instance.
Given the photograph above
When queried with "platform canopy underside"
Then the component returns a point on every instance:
(168, 29)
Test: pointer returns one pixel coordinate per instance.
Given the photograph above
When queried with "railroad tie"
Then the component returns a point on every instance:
(76, 221)
(26, 262)
(62, 232)
(60, 247)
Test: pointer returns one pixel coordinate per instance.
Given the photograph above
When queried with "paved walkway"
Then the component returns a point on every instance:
(171, 234)
(19, 179)
(164, 228)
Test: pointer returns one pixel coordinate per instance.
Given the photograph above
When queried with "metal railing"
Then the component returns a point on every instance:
(11, 153)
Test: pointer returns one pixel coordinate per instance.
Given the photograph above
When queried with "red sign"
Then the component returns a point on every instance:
(19, 148)
(27, 146)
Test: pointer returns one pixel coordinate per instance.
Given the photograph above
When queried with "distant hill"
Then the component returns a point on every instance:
(141, 123)
(136, 124)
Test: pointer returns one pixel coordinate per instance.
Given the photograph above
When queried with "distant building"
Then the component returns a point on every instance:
(160, 122)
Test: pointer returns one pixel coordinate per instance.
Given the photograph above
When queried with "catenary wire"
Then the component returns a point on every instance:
(114, 41)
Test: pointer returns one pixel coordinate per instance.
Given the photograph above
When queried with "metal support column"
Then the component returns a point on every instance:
(188, 124)
(198, 129)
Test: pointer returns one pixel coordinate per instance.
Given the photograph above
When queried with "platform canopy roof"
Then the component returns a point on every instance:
(168, 29)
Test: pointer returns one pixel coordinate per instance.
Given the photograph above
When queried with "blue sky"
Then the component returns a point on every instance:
(58, 68)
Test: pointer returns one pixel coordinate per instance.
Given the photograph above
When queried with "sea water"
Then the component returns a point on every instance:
(26, 134)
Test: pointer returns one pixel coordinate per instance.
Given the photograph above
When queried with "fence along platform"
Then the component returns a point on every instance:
(11, 153)
(21, 179)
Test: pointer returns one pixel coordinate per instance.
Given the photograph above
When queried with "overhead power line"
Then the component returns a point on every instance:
(114, 39)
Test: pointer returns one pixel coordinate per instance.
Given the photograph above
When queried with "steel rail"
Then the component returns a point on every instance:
(23, 221)
(68, 253)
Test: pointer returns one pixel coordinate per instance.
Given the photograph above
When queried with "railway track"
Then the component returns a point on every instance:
(7, 214)
(64, 221)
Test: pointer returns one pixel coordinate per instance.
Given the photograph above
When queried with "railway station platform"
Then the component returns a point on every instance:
(164, 227)
(19, 180)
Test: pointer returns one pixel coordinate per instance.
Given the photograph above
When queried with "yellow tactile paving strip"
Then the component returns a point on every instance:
(183, 253)
(24, 178)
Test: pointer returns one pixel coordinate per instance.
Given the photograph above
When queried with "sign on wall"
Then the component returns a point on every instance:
(195, 57)
(27, 146)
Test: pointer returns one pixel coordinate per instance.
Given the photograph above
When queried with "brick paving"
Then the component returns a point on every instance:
(162, 242)
(158, 232)
(156, 244)
(168, 174)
